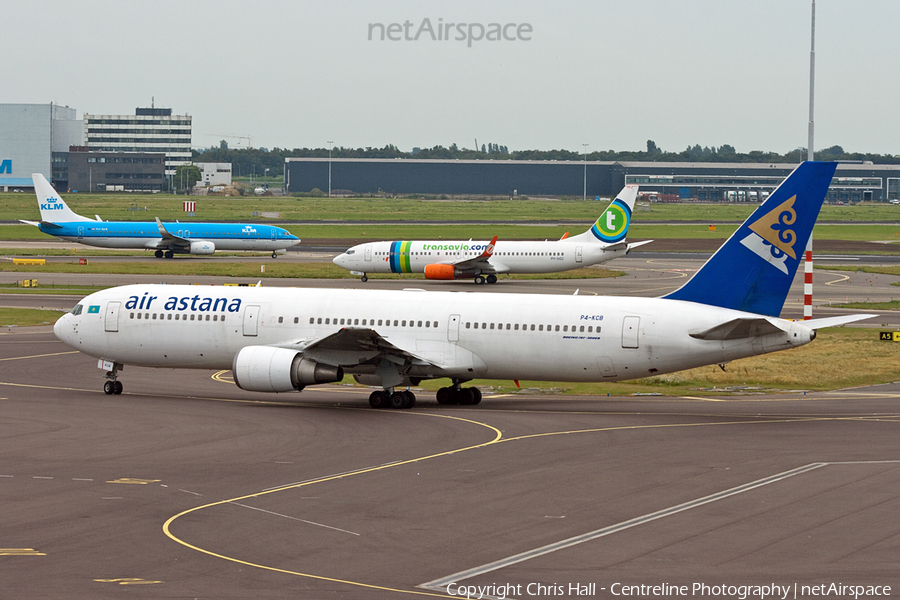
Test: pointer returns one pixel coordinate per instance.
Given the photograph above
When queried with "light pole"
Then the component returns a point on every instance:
(266, 178)
(329, 167)
(584, 194)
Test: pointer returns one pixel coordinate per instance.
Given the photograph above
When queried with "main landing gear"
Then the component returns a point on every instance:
(480, 279)
(167, 254)
(390, 398)
(459, 395)
(112, 385)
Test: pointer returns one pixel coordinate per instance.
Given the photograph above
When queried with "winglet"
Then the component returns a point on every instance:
(489, 251)
(565, 235)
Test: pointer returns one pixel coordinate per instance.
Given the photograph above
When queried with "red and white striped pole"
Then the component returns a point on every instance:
(807, 282)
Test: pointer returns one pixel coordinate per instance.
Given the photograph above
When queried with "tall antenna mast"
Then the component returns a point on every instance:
(808, 266)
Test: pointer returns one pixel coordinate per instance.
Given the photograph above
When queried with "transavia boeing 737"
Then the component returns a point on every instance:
(281, 340)
(58, 220)
(483, 261)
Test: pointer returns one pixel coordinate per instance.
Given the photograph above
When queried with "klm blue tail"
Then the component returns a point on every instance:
(754, 269)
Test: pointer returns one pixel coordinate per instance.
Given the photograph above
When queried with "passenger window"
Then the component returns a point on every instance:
(540, 327)
(281, 319)
(467, 324)
(192, 317)
(476, 325)
(532, 326)
(557, 328)
(131, 316)
(419, 324)
(492, 325)
(516, 327)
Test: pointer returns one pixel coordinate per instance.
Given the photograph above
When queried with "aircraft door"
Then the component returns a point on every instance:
(578, 254)
(630, 328)
(274, 234)
(368, 254)
(80, 233)
(111, 320)
(251, 320)
(453, 328)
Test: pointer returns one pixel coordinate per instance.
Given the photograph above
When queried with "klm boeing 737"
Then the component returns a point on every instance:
(281, 340)
(483, 261)
(58, 220)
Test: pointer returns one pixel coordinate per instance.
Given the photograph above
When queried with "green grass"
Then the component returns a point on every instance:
(274, 269)
(27, 317)
(115, 206)
(356, 232)
(892, 305)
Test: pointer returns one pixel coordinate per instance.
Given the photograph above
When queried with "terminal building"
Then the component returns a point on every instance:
(35, 138)
(148, 130)
(723, 182)
(99, 152)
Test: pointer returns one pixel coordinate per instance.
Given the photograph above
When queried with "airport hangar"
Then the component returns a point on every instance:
(853, 182)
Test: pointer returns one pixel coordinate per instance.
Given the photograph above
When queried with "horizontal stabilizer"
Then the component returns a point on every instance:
(738, 329)
(835, 321)
(634, 245)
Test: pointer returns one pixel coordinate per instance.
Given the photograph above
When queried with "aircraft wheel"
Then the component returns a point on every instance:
(465, 396)
(117, 388)
(492, 279)
(364, 279)
(399, 400)
(476, 395)
(377, 399)
(274, 255)
(158, 254)
(411, 399)
(109, 388)
(169, 254)
(443, 395)
(479, 280)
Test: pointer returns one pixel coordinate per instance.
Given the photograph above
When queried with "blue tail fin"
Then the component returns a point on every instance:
(754, 269)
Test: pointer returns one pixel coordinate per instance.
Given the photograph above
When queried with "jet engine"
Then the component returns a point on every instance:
(202, 247)
(268, 369)
(440, 271)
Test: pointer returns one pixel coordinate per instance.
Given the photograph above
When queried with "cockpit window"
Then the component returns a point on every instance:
(76, 310)
(351, 252)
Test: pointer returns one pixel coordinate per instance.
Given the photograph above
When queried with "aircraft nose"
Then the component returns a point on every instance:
(59, 327)
(340, 260)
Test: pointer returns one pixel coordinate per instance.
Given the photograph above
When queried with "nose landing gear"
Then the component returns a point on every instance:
(112, 385)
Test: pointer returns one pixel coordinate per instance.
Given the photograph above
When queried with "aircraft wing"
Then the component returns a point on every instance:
(355, 346)
(169, 239)
(481, 263)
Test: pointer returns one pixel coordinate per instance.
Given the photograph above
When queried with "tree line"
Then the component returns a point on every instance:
(254, 161)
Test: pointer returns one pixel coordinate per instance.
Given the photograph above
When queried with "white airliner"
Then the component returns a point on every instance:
(483, 261)
(281, 340)
(57, 219)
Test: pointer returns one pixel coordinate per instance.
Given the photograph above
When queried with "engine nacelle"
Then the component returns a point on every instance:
(268, 369)
(439, 271)
(202, 247)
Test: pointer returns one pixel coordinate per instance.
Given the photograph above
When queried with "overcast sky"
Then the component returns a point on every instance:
(606, 73)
